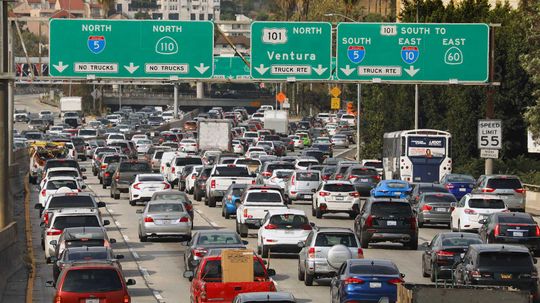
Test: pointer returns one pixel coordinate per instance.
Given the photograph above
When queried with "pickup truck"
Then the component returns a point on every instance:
(255, 203)
(125, 175)
(207, 284)
(222, 176)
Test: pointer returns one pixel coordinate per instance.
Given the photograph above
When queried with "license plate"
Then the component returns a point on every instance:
(307, 196)
(339, 198)
(462, 189)
(391, 223)
(506, 276)
(364, 180)
(375, 284)
(162, 221)
(518, 234)
(440, 209)
(92, 301)
(289, 232)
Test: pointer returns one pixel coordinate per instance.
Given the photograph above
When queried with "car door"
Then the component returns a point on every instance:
(336, 282)
(483, 230)
(428, 254)
(456, 213)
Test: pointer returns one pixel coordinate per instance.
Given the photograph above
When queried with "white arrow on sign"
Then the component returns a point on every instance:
(261, 69)
(320, 70)
(201, 68)
(60, 67)
(348, 70)
(411, 71)
(131, 68)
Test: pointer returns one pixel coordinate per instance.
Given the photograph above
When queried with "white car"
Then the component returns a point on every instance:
(238, 148)
(68, 172)
(336, 197)
(144, 186)
(191, 177)
(331, 128)
(143, 145)
(114, 137)
(189, 146)
(55, 130)
(114, 118)
(54, 184)
(350, 119)
(168, 115)
(324, 117)
(258, 116)
(72, 152)
(255, 154)
(139, 136)
(305, 163)
(281, 230)
(297, 140)
(472, 208)
(166, 158)
(279, 177)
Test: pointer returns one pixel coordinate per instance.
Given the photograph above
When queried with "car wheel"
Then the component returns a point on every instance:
(205, 201)
(237, 228)
(308, 279)
(132, 203)
(243, 230)
(94, 172)
(264, 251)
(300, 272)
(433, 273)
(116, 196)
(103, 186)
(211, 202)
(420, 224)
(413, 244)
(111, 193)
(459, 226)
(424, 273)
(190, 191)
(227, 215)
(364, 243)
(196, 197)
(143, 238)
(312, 211)
(318, 213)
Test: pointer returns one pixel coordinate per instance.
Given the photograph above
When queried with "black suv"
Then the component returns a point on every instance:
(387, 219)
(511, 228)
(498, 264)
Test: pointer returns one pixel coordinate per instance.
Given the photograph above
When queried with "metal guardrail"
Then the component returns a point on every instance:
(532, 187)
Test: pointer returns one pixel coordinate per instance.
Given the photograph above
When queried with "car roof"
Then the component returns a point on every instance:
(289, 211)
(484, 196)
(73, 233)
(333, 230)
(455, 234)
(499, 247)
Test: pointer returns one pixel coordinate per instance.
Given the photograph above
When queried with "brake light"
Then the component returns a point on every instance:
(352, 280)
(200, 252)
(354, 194)
(324, 194)
(338, 177)
(57, 299)
(311, 252)
(184, 219)
(396, 281)
(325, 178)
(117, 177)
(213, 184)
(519, 190)
(167, 185)
(253, 182)
(449, 186)
(427, 207)
(148, 219)
(369, 221)
(444, 253)
(173, 169)
(245, 213)
(44, 192)
(360, 253)
(270, 226)
(293, 178)
(475, 274)
(137, 185)
(103, 166)
(469, 211)
(54, 232)
(189, 207)
(306, 227)
(46, 219)
(266, 174)
(127, 299)
(352, 177)
(107, 174)
(487, 190)
(537, 231)
(497, 230)
(193, 177)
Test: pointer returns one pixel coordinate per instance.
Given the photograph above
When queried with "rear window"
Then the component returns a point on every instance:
(339, 187)
(238, 191)
(72, 174)
(517, 259)
(461, 178)
(397, 185)
(307, 163)
(188, 161)
(374, 164)
(331, 239)
(432, 189)
(57, 184)
(382, 209)
(166, 207)
(92, 280)
(134, 167)
(231, 171)
(460, 242)
(87, 255)
(76, 221)
(157, 178)
(113, 159)
(307, 176)
(262, 197)
(516, 219)
(85, 242)
(500, 183)
(284, 174)
(218, 239)
(272, 167)
(71, 202)
(287, 221)
(363, 172)
(439, 198)
(486, 203)
(375, 269)
(166, 196)
(212, 271)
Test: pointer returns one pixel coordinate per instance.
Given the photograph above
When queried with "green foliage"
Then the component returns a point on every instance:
(527, 168)
(31, 41)
(531, 63)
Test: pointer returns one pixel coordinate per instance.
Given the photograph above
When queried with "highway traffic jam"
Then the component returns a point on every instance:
(228, 206)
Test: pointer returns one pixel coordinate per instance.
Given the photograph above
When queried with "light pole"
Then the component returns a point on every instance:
(340, 15)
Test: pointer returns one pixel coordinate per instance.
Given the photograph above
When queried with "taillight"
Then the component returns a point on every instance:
(306, 227)
(537, 231)
(193, 177)
(270, 226)
(444, 253)
(266, 174)
(324, 194)
(213, 184)
(46, 219)
(173, 169)
(519, 190)
(167, 185)
(184, 219)
(475, 274)
(469, 211)
(245, 213)
(354, 194)
(44, 192)
(427, 207)
(199, 252)
(57, 299)
(396, 281)
(352, 280)
(497, 230)
(117, 177)
(311, 252)
(449, 186)
(137, 185)
(127, 299)
(338, 177)
(54, 232)
(107, 174)
(253, 182)
(369, 221)
(360, 253)
(352, 177)
(293, 180)
(148, 219)
(487, 190)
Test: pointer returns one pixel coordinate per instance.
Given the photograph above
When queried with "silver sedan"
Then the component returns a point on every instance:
(340, 141)
(161, 218)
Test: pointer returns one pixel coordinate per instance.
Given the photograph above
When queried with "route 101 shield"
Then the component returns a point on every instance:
(409, 54)
(96, 44)
(356, 53)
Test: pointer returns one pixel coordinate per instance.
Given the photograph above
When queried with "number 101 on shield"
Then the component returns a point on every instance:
(274, 35)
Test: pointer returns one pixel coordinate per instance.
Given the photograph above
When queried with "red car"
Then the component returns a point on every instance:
(92, 283)
(207, 285)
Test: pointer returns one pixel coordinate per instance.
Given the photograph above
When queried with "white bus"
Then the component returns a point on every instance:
(420, 155)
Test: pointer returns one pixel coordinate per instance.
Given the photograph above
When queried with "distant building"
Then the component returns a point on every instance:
(172, 9)
(223, 48)
(239, 27)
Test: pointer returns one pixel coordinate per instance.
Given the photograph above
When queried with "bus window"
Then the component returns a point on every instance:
(403, 146)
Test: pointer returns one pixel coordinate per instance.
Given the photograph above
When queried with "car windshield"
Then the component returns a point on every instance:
(57, 184)
(85, 242)
(69, 201)
(504, 183)
(460, 178)
(134, 167)
(432, 189)
(165, 208)
(188, 161)
(218, 239)
(516, 219)
(513, 259)
(331, 239)
(231, 171)
(92, 280)
(151, 178)
(170, 196)
(307, 176)
(212, 271)
(263, 197)
(363, 172)
(373, 269)
(339, 187)
(76, 221)
(486, 203)
(87, 132)
(289, 221)
(397, 185)
(87, 255)
(63, 173)
(439, 198)
(382, 209)
(460, 241)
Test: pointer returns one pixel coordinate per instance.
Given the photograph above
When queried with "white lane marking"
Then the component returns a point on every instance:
(126, 238)
(199, 211)
(145, 272)
(157, 295)
(214, 224)
(110, 210)
(117, 223)
(135, 254)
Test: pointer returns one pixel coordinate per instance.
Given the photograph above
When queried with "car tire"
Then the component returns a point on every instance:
(111, 194)
(424, 273)
(143, 238)
(132, 203)
(190, 191)
(237, 228)
(205, 201)
(94, 173)
(308, 279)
(433, 273)
(243, 230)
(459, 226)
(420, 224)
(364, 243)
(196, 197)
(116, 196)
(103, 186)
(312, 211)
(300, 272)
(318, 213)
(413, 244)
(211, 202)
(264, 251)
(227, 215)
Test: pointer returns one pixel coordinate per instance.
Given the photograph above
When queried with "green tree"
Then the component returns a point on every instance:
(531, 62)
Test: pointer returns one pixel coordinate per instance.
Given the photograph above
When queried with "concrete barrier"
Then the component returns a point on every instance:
(10, 254)
(424, 293)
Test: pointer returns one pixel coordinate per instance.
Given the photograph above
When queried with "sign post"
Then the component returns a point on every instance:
(131, 49)
(291, 50)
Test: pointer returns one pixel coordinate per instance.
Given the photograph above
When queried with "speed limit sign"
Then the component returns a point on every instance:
(489, 134)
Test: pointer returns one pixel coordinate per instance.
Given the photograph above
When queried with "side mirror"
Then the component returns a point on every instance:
(301, 244)
(312, 224)
(84, 177)
(101, 204)
(453, 204)
(112, 240)
(130, 282)
(49, 284)
(83, 169)
(83, 187)
(271, 272)
(139, 211)
(402, 275)
(53, 242)
(106, 222)
(535, 261)
(188, 274)
(245, 242)
(119, 257)
(482, 221)
(38, 206)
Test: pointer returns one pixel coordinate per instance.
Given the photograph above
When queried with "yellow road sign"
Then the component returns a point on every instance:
(335, 103)
(335, 91)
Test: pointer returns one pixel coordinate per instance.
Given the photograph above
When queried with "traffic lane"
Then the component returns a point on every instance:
(160, 261)
(42, 293)
(32, 104)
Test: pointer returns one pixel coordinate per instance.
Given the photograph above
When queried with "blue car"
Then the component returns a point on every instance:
(392, 188)
(458, 185)
(365, 280)
(231, 197)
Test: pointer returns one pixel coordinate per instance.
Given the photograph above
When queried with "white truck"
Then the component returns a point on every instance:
(221, 177)
(70, 104)
(214, 134)
(277, 120)
(256, 202)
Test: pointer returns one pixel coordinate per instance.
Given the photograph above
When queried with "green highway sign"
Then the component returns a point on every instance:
(231, 68)
(291, 50)
(412, 52)
(83, 48)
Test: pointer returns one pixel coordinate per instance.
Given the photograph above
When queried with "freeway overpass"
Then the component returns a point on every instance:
(187, 102)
